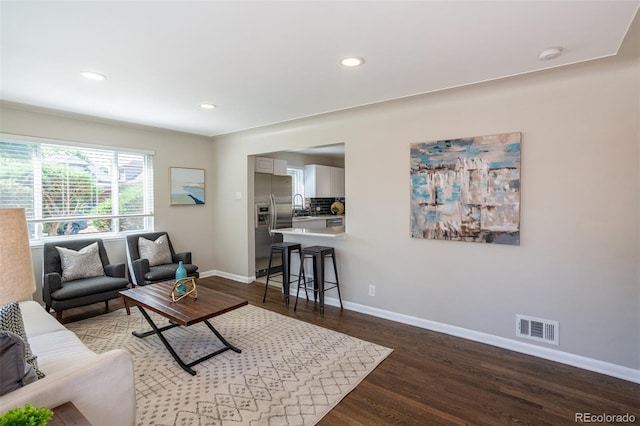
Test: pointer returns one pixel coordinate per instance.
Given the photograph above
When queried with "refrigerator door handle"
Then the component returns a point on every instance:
(274, 214)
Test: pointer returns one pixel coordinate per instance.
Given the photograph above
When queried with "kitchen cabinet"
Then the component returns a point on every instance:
(310, 223)
(264, 165)
(272, 166)
(279, 167)
(323, 181)
(337, 182)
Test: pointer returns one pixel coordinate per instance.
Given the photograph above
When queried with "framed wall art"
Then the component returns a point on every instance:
(187, 186)
(467, 189)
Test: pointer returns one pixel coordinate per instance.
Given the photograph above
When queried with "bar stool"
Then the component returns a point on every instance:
(284, 249)
(318, 255)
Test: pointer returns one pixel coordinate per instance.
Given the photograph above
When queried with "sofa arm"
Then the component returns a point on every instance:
(115, 270)
(50, 283)
(184, 257)
(140, 267)
(102, 388)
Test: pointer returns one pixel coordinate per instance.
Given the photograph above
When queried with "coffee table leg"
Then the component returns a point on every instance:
(186, 367)
(226, 344)
(158, 331)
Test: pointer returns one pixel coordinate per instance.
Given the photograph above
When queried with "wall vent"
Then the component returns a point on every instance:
(542, 330)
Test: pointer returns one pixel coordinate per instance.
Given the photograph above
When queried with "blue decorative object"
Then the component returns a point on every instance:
(181, 273)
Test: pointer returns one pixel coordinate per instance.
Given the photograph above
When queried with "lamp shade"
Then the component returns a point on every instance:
(16, 269)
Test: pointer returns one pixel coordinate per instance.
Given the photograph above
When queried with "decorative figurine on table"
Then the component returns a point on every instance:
(184, 286)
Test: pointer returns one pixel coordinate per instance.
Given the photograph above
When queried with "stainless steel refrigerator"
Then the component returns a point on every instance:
(273, 210)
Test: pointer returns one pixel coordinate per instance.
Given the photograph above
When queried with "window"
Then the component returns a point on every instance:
(76, 189)
(297, 186)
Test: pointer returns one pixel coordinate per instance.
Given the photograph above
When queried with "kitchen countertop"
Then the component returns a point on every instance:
(331, 232)
(322, 216)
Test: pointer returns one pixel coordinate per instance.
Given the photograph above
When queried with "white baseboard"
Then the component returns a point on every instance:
(579, 361)
(234, 277)
(590, 364)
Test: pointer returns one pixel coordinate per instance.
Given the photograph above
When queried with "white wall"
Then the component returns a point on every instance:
(578, 261)
(190, 227)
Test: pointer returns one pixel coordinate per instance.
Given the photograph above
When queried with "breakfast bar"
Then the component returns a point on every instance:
(329, 232)
(333, 236)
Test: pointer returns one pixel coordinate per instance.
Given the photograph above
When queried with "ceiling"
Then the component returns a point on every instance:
(266, 62)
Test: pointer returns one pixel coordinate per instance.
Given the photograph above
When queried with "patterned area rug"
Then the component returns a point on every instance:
(289, 372)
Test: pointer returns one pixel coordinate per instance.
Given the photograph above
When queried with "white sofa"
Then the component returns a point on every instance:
(101, 386)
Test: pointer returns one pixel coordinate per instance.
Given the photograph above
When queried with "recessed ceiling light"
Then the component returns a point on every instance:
(352, 61)
(207, 106)
(551, 53)
(93, 75)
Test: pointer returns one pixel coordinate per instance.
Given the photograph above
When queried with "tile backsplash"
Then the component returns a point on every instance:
(322, 206)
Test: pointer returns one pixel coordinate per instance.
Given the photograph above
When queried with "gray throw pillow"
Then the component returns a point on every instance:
(84, 263)
(11, 320)
(14, 370)
(157, 251)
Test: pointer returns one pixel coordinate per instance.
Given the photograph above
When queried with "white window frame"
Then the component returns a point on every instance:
(36, 233)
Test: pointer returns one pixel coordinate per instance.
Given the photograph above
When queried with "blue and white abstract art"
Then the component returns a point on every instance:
(467, 189)
(187, 186)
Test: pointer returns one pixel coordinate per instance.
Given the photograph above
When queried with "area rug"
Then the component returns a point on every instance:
(289, 372)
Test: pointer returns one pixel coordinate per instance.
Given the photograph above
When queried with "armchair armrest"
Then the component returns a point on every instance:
(184, 257)
(115, 270)
(140, 267)
(102, 388)
(51, 282)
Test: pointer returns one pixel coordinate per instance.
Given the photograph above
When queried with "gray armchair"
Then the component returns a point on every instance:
(143, 273)
(60, 294)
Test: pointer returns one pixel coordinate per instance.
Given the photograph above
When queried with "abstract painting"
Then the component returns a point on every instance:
(467, 189)
(187, 186)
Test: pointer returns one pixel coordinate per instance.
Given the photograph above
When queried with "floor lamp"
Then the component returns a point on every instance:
(17, 281)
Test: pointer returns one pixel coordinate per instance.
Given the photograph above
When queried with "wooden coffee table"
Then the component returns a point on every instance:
(186, 312)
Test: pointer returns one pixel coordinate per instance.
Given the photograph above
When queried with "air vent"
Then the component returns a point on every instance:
(542, 330)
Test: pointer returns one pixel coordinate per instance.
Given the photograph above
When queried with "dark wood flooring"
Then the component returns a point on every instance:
(436, 379)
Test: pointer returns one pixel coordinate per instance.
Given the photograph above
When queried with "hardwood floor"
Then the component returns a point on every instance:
(436, 379)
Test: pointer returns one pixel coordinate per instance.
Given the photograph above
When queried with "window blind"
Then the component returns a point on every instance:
(68, 189)
(297, 184)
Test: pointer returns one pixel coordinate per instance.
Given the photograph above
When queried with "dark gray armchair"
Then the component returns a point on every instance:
(142, 273)
(60, 295)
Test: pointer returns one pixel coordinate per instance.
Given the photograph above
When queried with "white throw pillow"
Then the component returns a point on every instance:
(157, 251)
(84, 263)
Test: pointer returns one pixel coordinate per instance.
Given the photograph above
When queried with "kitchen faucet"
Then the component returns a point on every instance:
(294, 201)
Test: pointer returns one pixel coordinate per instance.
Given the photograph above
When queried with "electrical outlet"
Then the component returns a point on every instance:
(372, 290)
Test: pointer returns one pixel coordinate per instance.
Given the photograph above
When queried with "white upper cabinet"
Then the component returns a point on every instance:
(337, 182)
(264, 165)
(279, 167)
(323, 181)
(273, 166)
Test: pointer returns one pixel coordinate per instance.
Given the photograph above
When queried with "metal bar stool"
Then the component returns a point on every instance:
(284, 249)
(318, 254)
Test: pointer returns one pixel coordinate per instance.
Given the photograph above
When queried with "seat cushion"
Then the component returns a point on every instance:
(37, 321)
(167, 272)
(60, 350)
(88, 286)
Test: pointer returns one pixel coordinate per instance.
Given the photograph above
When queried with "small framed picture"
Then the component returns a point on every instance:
(187, 186)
